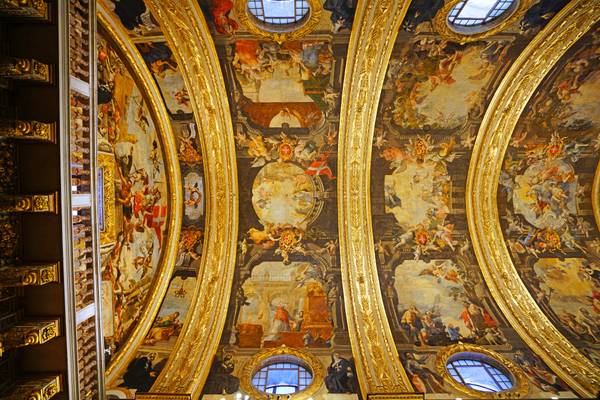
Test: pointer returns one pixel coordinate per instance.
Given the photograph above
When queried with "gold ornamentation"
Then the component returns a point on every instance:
(25, 8)
(31, 130)
(159, 396)
(596, 196)
(30, 333)
(33, 203)
(287, 32)
(501, 117)
(376, 25)
(106, 164)
(29, 275)
(473, 33)
(520, 381)
(260, 359)
(185, 29)
(42, 388)
(397, 396)
(25, 69)
(152, 98)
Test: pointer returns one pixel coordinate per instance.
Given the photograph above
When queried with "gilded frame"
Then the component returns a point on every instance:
(520, 384)
(596, 196)
(260, 29)
(143, 79)
(258, 361)
(106, 161)
(378, 366)
(498, 270)
(442, 26)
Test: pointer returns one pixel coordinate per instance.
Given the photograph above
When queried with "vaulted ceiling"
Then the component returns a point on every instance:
(380, 188)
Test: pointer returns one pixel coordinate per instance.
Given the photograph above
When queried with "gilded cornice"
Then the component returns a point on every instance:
(147, 86)
(499, 272)
(376, 25)
(187, 33)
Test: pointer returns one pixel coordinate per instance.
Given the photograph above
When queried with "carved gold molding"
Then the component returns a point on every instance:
(29, 275)
(29, 203)
(29, 130)
(25, 8)
(25, 69)
(499, 272)
(473, 33)
(596, 196)
(107, 164)
(153, 99)
(271, 32)
(42, 388)
(30, 333)
(185, 29)
(376, 25)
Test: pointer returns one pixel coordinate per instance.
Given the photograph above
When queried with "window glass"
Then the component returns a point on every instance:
(278, 12)
(477, 12)
(282, 378)
(479, 375)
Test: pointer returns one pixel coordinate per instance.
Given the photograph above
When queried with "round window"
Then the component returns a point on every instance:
(283, 374)
(475, 13)
(279, 12)
(479, 372)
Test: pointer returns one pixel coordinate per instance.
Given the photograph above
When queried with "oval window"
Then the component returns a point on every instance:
(475, 13)
(282, 375)
(479, 372)
(279, 12)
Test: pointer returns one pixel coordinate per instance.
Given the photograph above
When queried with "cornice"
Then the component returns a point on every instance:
(376, 25)
(596, 196)
(187, 33)
(499, 272)
(145, 83)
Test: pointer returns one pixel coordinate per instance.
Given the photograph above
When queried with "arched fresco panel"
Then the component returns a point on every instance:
(287, 289)
(545, 195)
(159, 341)
(434, 97)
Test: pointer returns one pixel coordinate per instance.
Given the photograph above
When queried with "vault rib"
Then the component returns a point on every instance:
(500, 120)
(376, 25)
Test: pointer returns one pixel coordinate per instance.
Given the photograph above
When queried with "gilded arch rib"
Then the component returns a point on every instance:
(376, 25)
(494, 135)
(186, 31)
(159, 114)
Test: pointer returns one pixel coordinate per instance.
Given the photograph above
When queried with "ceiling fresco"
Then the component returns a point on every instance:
(159, 340)
(545, 195)
(287, 290)
(284, 101)
(433, 99)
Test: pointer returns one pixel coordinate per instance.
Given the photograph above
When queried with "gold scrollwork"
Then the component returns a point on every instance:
(153, 99)
(25, 8)
(279, 35)
(520, 381)
(456, 34)
(28, 275)
(35, 203)
(596, 196)
(161, 396)
(502, 278)
(30, 333)
(261, 359)
(376, 25)
(187, 33)
(106, 163)
(41, 388)
(31, 130)
(25, 69)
